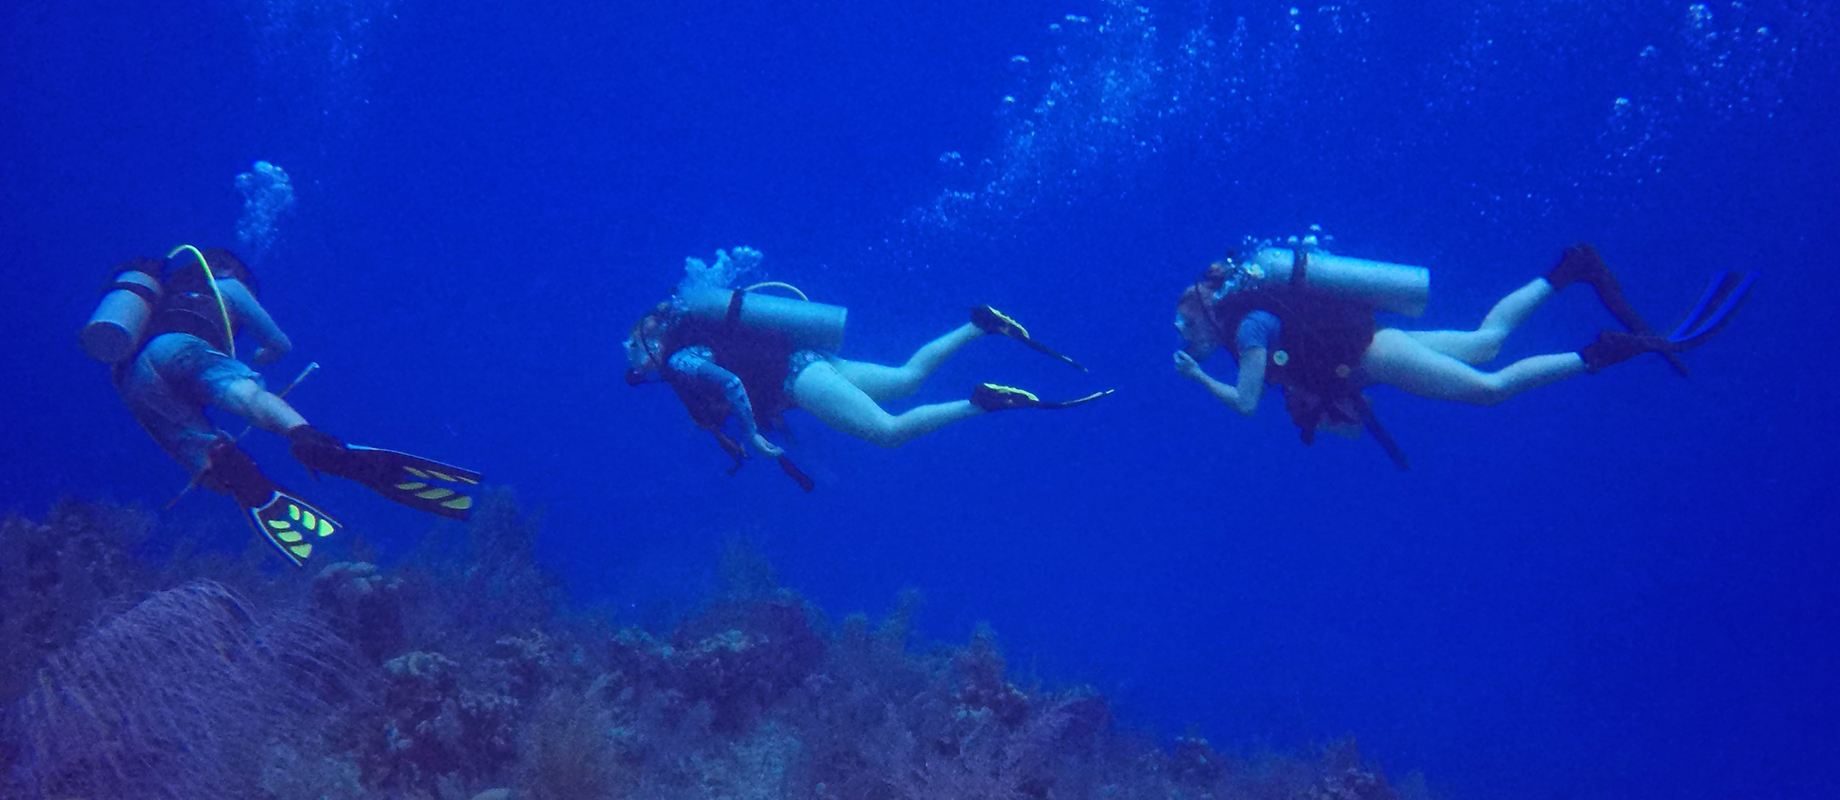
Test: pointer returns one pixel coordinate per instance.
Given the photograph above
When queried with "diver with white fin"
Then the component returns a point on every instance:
(745, 355)
(168, 328)
(1303, 319)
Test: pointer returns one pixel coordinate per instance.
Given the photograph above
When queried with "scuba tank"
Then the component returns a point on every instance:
(816, 326)
(114, 333)
(1398, 288)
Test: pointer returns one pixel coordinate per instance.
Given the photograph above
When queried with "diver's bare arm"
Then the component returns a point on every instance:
(1248, 387)
(250, 313)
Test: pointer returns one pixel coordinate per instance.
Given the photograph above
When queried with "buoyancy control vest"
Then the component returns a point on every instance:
(1324, 336)
(189, 304)
(759, 358)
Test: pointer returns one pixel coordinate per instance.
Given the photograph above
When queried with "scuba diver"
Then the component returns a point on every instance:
(748, 356)
(1303, 319)
(168, 328)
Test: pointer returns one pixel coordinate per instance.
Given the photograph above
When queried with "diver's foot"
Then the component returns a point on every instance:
(288, 522)
(997, 397)
(440, 489)
(1616, 347)
(1581, 264)
(320, 451)
(990, 320)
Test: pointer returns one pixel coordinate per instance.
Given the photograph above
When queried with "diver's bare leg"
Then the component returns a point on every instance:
(1397, 358)
(1482, 344)
(823, 391)
(264, 409)
(882, 383)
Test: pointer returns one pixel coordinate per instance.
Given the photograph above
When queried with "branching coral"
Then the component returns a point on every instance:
(432, 728)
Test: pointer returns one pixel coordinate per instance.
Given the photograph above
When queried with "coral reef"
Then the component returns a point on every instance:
(362, 605)
(461, 673)
(56, 577)
(433, 730)
(178, 697)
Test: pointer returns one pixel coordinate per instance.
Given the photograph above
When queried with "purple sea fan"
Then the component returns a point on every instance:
(178, 697)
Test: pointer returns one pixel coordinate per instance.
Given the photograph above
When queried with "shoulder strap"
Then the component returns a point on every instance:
(733, 316)
(210, 280)
(1382, 437)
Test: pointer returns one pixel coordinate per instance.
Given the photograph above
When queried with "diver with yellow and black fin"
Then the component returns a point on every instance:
(416, 482)
(744, 355)
(1303, 319)
(169, 329)
(990, 320)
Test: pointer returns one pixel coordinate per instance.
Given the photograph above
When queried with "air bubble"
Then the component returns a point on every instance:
(267, 194)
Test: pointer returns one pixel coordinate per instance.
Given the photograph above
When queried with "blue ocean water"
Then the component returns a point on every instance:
(1618, 586)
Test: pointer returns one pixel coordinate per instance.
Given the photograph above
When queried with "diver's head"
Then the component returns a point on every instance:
(1193, 320)
(645, 344)
(225, 266)
(1192, 323)
(1224, 270)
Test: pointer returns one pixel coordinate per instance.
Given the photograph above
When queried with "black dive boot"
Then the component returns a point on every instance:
(1582, 264)
(997, 397)
(286, 521)
(997, 323)
(410, 480)
(1616, 347)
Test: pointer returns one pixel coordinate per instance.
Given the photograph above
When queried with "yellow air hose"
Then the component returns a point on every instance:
(211, 278)
(778, 285)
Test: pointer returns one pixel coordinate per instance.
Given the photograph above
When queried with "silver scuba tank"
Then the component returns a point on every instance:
(1399, 288)
(113, 334)
(816, 326)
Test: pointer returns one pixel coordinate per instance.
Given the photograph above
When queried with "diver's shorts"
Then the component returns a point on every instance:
(168, 385)
(797, 364)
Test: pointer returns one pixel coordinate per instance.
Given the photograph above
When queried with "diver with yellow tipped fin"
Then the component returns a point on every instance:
(749, 356)
(1303, 319)
(168, 328)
